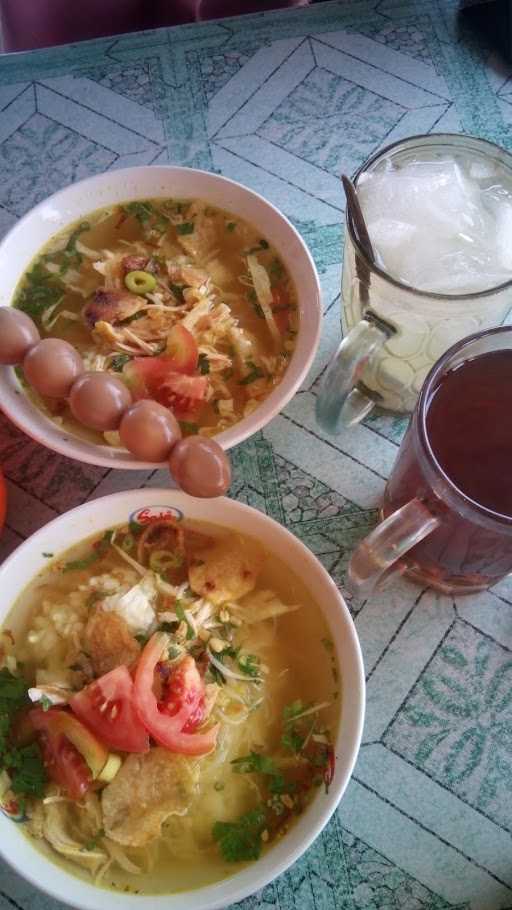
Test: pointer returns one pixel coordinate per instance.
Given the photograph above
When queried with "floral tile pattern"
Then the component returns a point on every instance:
(132, 81)
(376, 883)
(456, 724)
(408, 39)
(301, 125)
(284, 102)
(218, 68)
(41, 157)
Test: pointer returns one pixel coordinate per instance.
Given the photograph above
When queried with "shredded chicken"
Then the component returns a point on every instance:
(111, 306)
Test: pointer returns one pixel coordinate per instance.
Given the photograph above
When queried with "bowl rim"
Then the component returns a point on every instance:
(245, 428)
(253, 877)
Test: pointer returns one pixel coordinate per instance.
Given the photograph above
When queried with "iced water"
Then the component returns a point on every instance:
(442, 223)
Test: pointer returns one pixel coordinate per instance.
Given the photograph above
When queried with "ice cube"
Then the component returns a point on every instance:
(389, 239)
(480, 169)
(435, 227)
(504, 235)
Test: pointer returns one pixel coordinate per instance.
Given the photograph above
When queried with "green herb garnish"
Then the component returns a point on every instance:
(188, 427)
(187, 227)
(99, 550)
(293, 738)
(40, 291)
(230, 226)
(262, 245)
(26, 770)
(182, 616)
(142, 211)
(255, 763)
(276, 271)
(45, 703)
(215, 675)
(249, 664)
(117, 363)
(241, 840)
(24, 765)
(204, 364)
(177, 290)
(94, 841)
(70, 254)
(255, 373)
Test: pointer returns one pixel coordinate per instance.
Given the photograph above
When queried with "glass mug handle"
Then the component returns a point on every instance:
(340, 403)
(374, 558)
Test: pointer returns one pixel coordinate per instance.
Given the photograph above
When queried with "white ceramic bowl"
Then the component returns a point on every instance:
(100, 514)
(75, 202)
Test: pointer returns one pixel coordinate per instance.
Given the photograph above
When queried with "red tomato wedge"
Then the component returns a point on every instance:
(106, 707)
(62, 760)
(281, 310)
(184, 395)
(184, 681)
(165, 379)
(182, 349)
(167, 729)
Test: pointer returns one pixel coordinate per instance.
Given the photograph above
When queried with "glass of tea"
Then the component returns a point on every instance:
(447, 508)
(438, 210)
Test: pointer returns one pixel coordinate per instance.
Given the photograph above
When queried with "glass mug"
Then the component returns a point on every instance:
(431, 530)
(394, 333)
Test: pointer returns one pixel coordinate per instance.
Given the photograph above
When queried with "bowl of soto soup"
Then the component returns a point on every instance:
(186, 702)
(190, 288)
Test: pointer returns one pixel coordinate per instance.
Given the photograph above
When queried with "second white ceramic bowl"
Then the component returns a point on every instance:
(75, 202)
(100, 514)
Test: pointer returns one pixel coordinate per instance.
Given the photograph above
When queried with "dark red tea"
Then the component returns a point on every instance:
(469, 428)
(469, 425)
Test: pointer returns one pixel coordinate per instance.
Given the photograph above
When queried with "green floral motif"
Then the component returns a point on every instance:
(305, 498)
(132, 81)
(377, 884)
(330, 525)
(344, 873)
(457, 722)
(41, 157)
(301, 125)
(392, 427)
(217, 69)
(404, 38)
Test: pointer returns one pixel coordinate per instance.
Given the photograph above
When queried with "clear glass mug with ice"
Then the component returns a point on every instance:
(438, 210)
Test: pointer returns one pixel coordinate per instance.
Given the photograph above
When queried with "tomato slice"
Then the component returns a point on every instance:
(281, 310)
(182, 349)
(62, 723)
(184, 699)
(163, 379)
(62, 760)
(106, 707)
(184, 682)
(184, 395)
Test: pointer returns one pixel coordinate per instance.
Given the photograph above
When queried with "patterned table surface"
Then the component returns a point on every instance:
(284, 102)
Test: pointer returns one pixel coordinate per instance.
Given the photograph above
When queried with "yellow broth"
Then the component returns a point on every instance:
(251, 359)
(299, 664)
